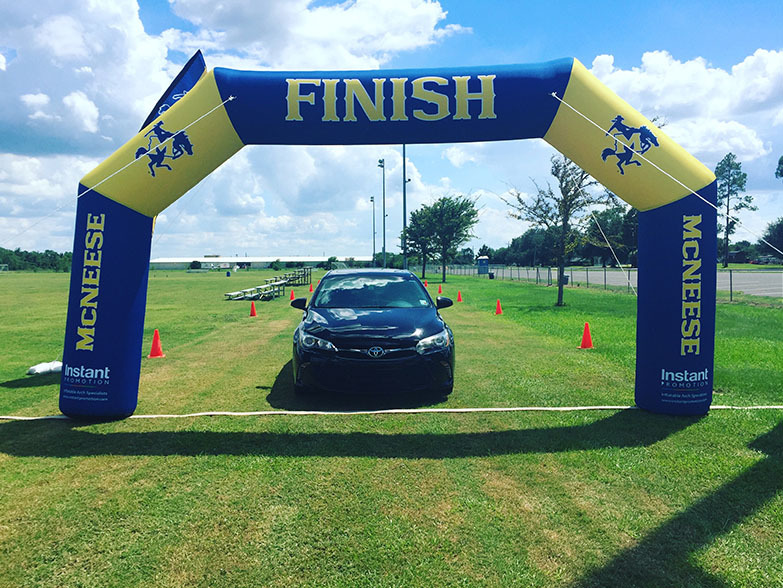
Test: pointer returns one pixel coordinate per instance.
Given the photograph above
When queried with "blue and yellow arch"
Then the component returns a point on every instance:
(207, 116)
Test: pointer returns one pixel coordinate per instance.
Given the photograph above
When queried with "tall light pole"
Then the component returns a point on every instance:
(404, 212)
(372, 199)
(382, 165)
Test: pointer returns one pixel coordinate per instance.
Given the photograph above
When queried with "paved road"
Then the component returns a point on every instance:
(756, 282)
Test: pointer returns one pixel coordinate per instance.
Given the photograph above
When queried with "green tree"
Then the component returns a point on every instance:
(465, 256)
(779, 170)
(774, 236)
(731, 185)
(419, 236)
(557, 211)
(485, 250)
(452, 219)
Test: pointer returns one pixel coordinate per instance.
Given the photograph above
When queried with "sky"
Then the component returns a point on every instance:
(77, 79)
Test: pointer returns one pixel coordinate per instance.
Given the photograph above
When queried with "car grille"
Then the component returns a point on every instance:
(389, 354)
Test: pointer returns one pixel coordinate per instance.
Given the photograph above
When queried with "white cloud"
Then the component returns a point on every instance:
(35, 101)
(64, 37)
(2, 62)
(296, 35)
(679, 89)
(458, 155)
(38, 200)
(712, 139)
(83, 109)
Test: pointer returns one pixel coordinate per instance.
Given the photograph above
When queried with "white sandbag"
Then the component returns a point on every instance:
(47, 367)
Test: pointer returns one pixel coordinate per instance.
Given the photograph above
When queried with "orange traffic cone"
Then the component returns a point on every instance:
(459, 295)
(253, 309)
(292, 295)
(498, 310)
(156, 350)
(425, 283)
(440, 289)
(311, 286)
(587, 339)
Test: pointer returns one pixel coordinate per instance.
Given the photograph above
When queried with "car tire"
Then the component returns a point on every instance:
(444, 392)
(301, 390)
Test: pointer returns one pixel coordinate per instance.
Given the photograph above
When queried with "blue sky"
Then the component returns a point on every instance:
(77, 79)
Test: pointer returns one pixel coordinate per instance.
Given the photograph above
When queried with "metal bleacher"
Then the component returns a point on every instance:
(274, 286)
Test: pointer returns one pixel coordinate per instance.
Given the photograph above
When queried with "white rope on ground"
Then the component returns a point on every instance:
(391, 411)
(667, 174)
(628, 275)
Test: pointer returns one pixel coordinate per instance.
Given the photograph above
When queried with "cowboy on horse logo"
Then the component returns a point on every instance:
(180, 145)
(625, 156)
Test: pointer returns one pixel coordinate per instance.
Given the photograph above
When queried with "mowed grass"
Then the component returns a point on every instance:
(615, 498)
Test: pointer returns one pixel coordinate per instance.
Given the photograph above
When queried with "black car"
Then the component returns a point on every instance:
(373, 331)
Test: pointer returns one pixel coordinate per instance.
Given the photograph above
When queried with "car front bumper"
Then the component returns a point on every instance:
(332, 373)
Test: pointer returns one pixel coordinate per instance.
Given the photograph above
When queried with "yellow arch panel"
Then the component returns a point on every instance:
(644, 187)
(213, 141)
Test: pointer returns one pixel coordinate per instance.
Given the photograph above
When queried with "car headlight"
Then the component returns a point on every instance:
(434, 343)
(308, 341)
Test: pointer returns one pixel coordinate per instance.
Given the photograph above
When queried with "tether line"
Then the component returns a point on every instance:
(667, 174)
(628, 275)
(139, 156)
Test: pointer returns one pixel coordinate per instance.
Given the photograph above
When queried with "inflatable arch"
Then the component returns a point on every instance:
(207, 116)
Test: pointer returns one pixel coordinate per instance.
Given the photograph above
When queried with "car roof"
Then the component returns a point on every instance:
(367, 271)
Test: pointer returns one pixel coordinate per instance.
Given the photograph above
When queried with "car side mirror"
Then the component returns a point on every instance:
(300, 303)
(440, 302)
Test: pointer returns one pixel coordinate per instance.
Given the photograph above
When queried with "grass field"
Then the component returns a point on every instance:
(615, 498)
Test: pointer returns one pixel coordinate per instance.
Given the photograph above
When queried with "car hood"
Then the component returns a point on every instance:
(352, 326)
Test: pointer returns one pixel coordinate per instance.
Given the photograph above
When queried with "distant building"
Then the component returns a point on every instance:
(225, 262)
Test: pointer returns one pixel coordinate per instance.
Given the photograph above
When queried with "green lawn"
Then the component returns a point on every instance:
(615, 498)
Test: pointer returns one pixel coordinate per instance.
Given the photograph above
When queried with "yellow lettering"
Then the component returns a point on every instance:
(93, 240)
(95, 222)
(91, 277)
(93, 257)
(431, 96)
(373, 110)
(691, 328)
(86, 340)
(690, 245)
(330, 101)
(689, 230)
(691, 290)
(88, 297)
(486, 95)
(398, 99)
(692, 266)
(89, 321)
(294, 97)
(691, 309)
(690, 346)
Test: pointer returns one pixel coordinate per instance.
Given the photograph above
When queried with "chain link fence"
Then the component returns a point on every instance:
(755, 282)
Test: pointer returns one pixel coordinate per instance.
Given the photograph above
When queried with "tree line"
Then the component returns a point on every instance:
(48, 260)
(572, 224)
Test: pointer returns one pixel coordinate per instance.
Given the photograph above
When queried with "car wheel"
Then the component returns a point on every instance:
(445, 392)
(301, 390)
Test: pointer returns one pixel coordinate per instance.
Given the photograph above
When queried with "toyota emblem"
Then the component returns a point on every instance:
(376, 352)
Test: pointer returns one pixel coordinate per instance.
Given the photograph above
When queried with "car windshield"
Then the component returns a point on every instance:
(371, 291)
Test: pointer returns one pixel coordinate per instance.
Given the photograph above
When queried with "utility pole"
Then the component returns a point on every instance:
(404, 212)
(372, 199)
(382, 165)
